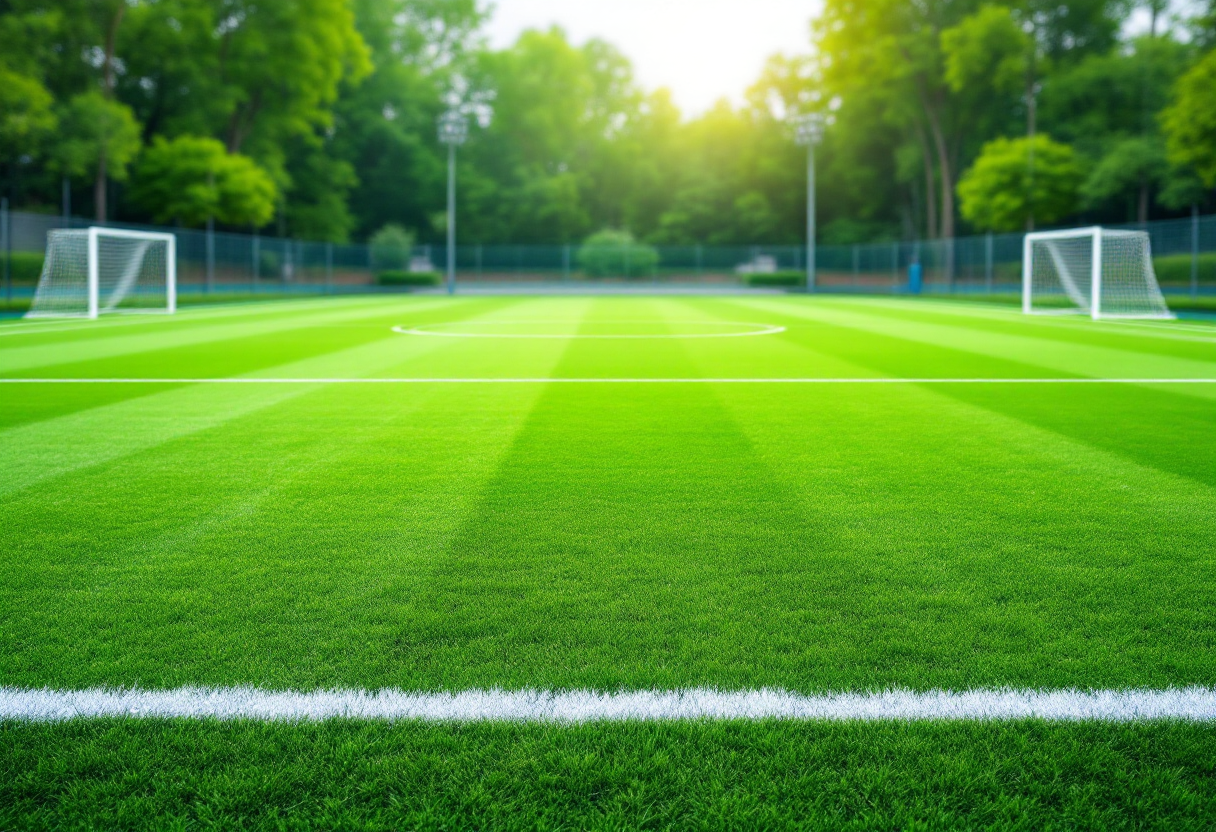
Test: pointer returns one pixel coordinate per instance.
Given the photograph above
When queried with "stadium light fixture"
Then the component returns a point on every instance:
(808, 132)
(453, 132)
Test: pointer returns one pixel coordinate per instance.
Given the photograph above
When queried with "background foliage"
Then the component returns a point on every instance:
(316, 118)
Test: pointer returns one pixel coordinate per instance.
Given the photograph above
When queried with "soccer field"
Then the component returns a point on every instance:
(750, 514)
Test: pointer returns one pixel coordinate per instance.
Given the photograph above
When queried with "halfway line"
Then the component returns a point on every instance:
(1194, 704)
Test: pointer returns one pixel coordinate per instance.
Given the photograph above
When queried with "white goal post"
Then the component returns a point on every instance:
(91, 271)
(1091, 271)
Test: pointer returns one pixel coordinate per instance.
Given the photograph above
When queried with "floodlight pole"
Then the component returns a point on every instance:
(451, 270)
(808, 131)
(453, 130)
(810, 217)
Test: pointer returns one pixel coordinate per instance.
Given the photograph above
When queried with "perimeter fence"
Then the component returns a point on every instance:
(219, 263)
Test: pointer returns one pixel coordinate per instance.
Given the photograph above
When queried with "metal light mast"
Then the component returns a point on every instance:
(808, 132)
(453, 132)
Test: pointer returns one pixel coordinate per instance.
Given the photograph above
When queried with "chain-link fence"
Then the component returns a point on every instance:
(218, 263)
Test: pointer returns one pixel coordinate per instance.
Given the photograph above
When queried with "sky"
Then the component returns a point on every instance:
(702, 50)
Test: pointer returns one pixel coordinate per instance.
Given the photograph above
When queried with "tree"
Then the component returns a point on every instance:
(27, 114)
(172, 77)
(99, 137)
(282, 63)
(1203, 26)
(916, 87)
(1108, 97)
(385, 124)
(70, 45)
(1181, 188)
(1130, 169)
(192, 179)
(988, 50)
(1004, 189)
(113, 142)
(1189, 122)
(263, 76)
(894, 48)
(548, 169)
(318, 204)
(1068, 31)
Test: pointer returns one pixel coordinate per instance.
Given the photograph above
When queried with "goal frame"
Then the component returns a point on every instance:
(1095, 233)
(1095, 277)
(93, 274)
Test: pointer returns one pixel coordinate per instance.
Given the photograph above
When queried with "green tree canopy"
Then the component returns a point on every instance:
(1190, 121)
(987, 50)
(263, 77)
(892, 50)
(95, 130)
(1127, 171)
(337, 101)
(190, 179)
(1016, 180)
(27, 114)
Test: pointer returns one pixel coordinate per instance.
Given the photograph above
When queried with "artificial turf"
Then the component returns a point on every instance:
(613, 536)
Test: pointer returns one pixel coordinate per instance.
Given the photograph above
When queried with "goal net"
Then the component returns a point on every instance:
(88, 272)
(1091, 271)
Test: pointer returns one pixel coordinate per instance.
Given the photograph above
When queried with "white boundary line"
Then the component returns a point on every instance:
(254, 380)
(1195, 704)
(764, 329)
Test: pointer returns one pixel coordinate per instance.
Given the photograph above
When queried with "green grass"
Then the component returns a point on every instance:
(705, 776)
(610, 536)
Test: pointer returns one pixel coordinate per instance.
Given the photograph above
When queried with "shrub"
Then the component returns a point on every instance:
(616, 254)
(775, 280)
(1175, 269)
(1183, 303)
(391, 247)
(403, 278)
(270, 264)
(24, 267)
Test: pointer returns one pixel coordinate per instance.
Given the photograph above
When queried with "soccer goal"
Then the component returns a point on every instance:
(91, 271)
(1091, 271)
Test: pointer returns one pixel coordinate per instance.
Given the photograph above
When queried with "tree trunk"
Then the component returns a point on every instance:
(946, 177)
(946, 183)
(944, 165)
(930, 188)
(1142, 206)
(99, 188)
(241, 122)
(1031, 127)
(107, 88)
(1032, 117)
(107, 78)
(1154, 11)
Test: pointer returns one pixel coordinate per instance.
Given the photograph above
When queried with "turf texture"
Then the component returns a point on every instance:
(610, 536)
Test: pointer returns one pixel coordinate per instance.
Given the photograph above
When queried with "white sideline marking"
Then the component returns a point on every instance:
(1170, 326)
(254, 380)
(1194, 704)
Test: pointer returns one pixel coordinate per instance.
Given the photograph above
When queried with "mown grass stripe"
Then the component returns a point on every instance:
(255, 380)
(1194, 704)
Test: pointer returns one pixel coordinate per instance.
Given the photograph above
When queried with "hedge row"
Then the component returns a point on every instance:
(24, 267)
(775, 280)
(403, 278)
(1175, 270)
